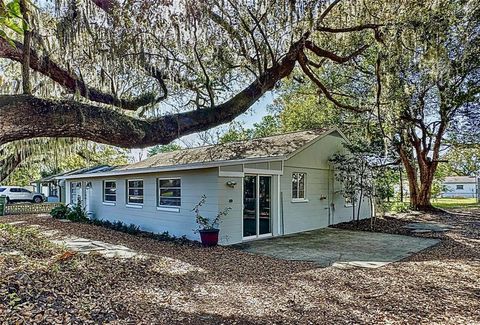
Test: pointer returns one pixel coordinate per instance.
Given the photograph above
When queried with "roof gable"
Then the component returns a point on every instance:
(277, 146)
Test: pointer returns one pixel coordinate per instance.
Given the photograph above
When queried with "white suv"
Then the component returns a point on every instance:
(20, 194)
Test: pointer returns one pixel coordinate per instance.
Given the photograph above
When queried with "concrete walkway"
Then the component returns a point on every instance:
(340, 248)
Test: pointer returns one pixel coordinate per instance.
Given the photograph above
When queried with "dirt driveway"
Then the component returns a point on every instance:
(193, 285)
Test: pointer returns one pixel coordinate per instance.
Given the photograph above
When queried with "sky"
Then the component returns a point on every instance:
(247, 119)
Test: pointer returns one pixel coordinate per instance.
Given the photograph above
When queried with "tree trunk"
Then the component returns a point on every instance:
(419, 184)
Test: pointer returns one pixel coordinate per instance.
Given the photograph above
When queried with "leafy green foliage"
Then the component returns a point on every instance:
(462, 161)
(60, 212)
(399, 207)
(205, 223)
(74, 213)
(77, 213)
(163, 148)
(269, 125)
(131, 229)
(385, 181)
(10, 19)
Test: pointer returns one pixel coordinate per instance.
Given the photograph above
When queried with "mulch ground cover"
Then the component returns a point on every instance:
(184, 284)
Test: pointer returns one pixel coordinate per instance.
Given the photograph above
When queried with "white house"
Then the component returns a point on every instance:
(460, 187)
(276, 185)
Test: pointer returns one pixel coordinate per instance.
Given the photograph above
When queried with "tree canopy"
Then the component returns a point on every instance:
(136, 74)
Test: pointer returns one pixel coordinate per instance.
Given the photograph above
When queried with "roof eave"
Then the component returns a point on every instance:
(170, 168)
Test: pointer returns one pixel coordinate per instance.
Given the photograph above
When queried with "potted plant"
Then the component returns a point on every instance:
(208, 227)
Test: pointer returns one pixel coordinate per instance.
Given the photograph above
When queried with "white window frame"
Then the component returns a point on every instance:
(299, 199)
(105, 201)
(168, 208)
(81, 193)
(135, 204)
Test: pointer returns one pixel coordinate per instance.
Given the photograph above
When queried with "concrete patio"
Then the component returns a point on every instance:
(340, 248)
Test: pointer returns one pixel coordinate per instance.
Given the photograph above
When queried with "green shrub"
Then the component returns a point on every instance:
(60, 212)
(77, 214)
(399, 207)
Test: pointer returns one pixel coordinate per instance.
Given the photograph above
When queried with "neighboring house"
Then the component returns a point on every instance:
(276, 185)
(460, 187)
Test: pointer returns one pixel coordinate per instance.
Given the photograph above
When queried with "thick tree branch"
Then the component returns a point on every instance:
(46, 66)
(24, 116)
(332, 56)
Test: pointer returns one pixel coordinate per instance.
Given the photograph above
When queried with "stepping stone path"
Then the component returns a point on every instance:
(86, 246)
(82, 245)
(427, 227)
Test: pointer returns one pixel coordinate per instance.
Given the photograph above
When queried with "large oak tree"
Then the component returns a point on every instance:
(136, 74)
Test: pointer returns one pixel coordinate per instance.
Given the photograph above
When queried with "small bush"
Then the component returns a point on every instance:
(60, 212)
(76, 213)
(399, 207)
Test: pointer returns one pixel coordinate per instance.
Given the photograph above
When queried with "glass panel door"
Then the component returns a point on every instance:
(257, 219)
(249, 206)
(264, 197)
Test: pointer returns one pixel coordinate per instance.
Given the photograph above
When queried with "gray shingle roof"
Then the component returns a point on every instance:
(460, 179)
(276, 146)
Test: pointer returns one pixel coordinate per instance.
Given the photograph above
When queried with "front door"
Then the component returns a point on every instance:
(257, 201)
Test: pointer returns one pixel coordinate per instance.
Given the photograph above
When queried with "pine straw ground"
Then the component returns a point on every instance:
(194, 285)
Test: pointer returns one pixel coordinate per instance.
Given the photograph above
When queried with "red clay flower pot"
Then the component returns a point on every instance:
(209, 237)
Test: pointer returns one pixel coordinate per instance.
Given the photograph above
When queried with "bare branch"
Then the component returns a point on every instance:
(302, 59)
(332, 56)
(327, 11)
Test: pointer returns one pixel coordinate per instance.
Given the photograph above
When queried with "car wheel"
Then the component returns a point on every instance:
(37, 199)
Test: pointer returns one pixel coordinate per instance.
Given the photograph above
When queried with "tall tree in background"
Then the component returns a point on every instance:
(430, 74)
(427, 90)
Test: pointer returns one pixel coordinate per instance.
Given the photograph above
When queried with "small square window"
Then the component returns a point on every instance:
(459, 187)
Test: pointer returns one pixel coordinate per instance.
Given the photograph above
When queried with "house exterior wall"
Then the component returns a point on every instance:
(194, 183)
(324, 203)
(231, 228)
(469, 190)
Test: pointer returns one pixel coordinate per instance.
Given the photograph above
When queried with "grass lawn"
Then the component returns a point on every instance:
(454, 203)
(43, 283)
(443, 203)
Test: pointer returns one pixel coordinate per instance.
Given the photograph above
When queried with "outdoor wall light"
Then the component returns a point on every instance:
(231, 184)
(323, 197)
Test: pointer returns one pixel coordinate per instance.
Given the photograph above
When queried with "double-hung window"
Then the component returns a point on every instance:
(298, 186)
(135, 191)
(75, 192)
(109, 191)
(169, 192)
